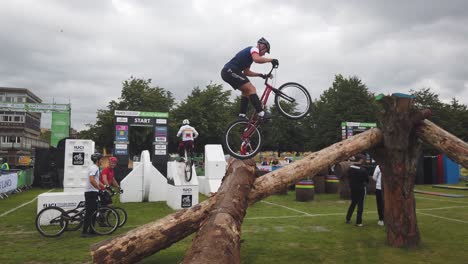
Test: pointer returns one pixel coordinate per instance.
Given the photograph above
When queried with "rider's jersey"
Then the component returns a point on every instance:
(187, 132)
(243, 58)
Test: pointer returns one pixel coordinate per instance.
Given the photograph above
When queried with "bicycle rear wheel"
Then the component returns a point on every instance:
(105, 221)
(293, 100)
(51, 222)
(122, 215)
(188, 166)
(242, 139)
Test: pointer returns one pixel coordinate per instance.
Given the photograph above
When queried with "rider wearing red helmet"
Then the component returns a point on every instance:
(235, 73)
(107, 178)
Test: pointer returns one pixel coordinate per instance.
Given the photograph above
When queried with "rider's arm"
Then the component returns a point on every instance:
(114, 182)
(250, 73)
(195, 133)
(93, 182)
(180, 132)
(259, 59)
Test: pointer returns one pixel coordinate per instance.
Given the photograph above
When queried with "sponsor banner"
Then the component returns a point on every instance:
(160, 152)
(26, 107)
(121, 152)
(160, 139)
(78, 158)
(159, 146)
(121, 127)
(264, 168)
(8, 182)
(186, 201)
(161, 121)
(60, 127)
(160, 131)
(121, 146)
(121, 135)
(140, 114)
(141, 121)
(121, 119)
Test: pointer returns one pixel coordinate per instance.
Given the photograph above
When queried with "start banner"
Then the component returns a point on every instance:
(8, 182)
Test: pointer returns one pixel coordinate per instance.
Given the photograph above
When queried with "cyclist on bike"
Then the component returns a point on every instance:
(91, 193)
(188, 134)
(107, 178)
(235, 73)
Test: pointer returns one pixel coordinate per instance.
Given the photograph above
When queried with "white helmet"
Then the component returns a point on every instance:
(186, 122)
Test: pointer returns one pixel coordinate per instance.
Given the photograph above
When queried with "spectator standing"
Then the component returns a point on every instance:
(91, 194)
(358, 181)
(377, 176)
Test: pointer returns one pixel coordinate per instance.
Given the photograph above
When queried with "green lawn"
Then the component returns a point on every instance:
(276, 230)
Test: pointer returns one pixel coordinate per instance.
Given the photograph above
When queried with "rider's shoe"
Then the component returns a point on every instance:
(266, 117)
(242, 117)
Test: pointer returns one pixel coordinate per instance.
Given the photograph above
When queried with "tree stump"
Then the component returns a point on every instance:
(218, 240)
(398, 159)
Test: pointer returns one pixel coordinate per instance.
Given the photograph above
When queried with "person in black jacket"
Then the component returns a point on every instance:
(358, 179)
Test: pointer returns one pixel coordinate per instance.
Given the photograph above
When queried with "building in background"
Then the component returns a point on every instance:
(19, 131)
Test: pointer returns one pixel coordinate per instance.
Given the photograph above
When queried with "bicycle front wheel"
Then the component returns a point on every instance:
(122, 215)
(242, 139)
(293, 100)
(105, 221)
(51, 222)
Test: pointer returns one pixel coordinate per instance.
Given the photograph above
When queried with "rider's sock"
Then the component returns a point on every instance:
(256, 102)
(261, 114)
(244, 104)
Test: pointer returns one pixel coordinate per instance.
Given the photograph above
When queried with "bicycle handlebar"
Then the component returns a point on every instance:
(269, 73)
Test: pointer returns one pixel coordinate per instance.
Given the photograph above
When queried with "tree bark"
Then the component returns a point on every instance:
(398, 160)
(341, 171)
(447, 143)
(150, 238)
(218, 240)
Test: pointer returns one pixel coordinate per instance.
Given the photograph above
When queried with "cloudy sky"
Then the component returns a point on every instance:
(81, 51)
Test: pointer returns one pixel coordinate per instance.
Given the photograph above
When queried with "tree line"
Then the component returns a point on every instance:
(210, 109)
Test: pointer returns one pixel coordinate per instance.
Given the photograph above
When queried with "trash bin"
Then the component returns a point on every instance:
(305, 191)
(331, 184)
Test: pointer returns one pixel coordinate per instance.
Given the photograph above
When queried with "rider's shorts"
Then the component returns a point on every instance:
(234, 77)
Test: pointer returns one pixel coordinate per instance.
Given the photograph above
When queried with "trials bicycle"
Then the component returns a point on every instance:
(188, 164)
(53, 221)
(243, 138)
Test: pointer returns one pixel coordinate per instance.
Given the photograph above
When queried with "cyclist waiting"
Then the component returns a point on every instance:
(107, 178)
(188, 134)
(91, 193)
(235, 73)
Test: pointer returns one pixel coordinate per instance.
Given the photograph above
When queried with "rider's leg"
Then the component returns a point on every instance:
(249, 90)
(181, 149)
(244, 104)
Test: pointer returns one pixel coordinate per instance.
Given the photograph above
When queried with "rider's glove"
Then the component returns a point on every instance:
(263, 76)
(275, 62)
(120, 190)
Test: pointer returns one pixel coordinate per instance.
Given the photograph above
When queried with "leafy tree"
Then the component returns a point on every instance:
(348, 99)
(209, 111)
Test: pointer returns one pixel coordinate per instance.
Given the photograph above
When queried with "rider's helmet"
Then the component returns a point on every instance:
(264, 42)
(113, 160)
(186, 122)
(96, 156)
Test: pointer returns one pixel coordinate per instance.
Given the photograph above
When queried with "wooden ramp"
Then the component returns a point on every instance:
(440, 194)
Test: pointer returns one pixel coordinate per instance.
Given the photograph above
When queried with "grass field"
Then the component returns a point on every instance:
(276, 230)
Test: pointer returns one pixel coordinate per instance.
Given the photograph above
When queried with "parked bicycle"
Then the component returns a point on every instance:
(243, 138)
(54, 221)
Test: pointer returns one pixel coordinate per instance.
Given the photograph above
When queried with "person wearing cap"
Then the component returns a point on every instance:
(235, 73)
(358, 181)
(107, 178)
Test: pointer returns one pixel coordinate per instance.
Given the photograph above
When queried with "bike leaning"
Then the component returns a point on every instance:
(243, 138)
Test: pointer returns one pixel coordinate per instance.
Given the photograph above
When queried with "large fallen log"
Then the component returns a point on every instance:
(218, 240)
(447, 143)
(148, 239)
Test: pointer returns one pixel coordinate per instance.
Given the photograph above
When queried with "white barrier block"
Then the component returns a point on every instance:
(132, 185)
(77, 162)
(181, 197)
(176, 171)
(208, 186)
(215, 163)
(64, 200)
(74, 189)
(158, 185)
